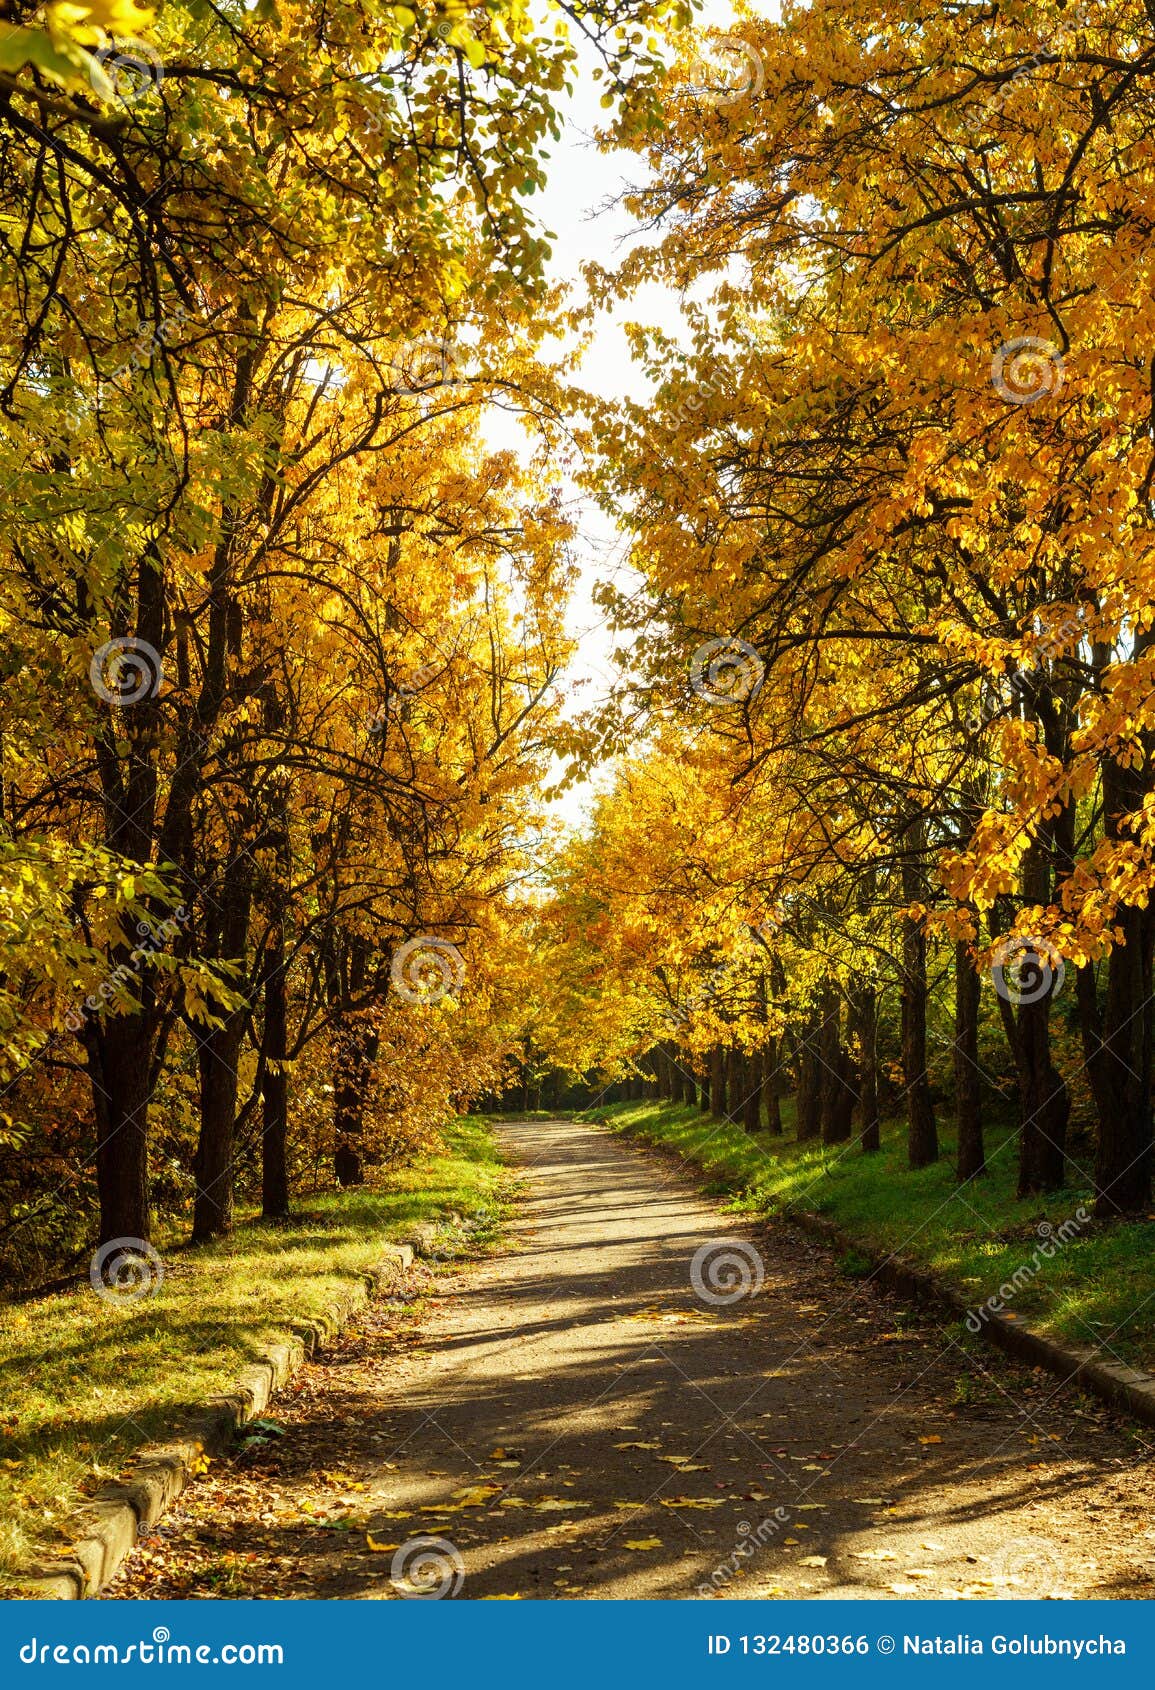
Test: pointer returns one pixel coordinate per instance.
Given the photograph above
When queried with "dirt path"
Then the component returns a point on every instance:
(575, 1418)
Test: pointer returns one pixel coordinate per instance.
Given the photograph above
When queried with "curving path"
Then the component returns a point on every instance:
(573, 1418)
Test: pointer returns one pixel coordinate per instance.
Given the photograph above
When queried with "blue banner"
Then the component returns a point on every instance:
(562, 1644)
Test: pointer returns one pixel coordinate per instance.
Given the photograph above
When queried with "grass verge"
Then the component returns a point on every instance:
(83, 1383)
(1098, 1287)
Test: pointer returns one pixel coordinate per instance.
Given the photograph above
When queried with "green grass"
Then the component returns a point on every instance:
(1099, 1287)
(84, 1383)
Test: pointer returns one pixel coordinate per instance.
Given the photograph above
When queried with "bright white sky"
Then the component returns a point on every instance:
(579, 206)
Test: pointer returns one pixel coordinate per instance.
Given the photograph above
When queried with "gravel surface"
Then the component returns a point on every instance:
(590, 1414)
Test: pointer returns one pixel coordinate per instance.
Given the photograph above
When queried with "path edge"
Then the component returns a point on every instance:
(1120, 1386)
(121, 1508)
(1126, 1389)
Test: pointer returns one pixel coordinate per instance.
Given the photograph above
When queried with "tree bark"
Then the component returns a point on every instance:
(718, 1082)
(1117, 1039)
(752, 1099)
(922, 1130)
(771, 1087)
(735, 1083)
(275, 1085)
(217, 1055)
(968, 1096)
(809, 1103)
(864, 1028)
(119, 1060)
(352, 1076)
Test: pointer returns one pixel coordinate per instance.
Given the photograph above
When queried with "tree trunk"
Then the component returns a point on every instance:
(735, 1083)
(1026, 984)
(809, 1108)
(718, 1082)
(1117, 1040)
(830, 1072)
(218, 1053)
(922, 1130)
(864, 1028)
(275, 1086)
(352, 1076)
(771, 1087)
(752, 1099)
(120, 1058)
(968, 1097)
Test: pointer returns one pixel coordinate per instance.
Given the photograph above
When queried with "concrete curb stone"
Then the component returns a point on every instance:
(118, 1511)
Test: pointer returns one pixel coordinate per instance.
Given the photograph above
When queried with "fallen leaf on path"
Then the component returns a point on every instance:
(874, 1555)
(644, 1543)
(551, 1504)
(813, 1561)
(936, 1546)
(903, 1589)
(379, 1547)
(692, 1501)
(932, 1439)
(918, 1573)
(477, 1497)
(638, 1446)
